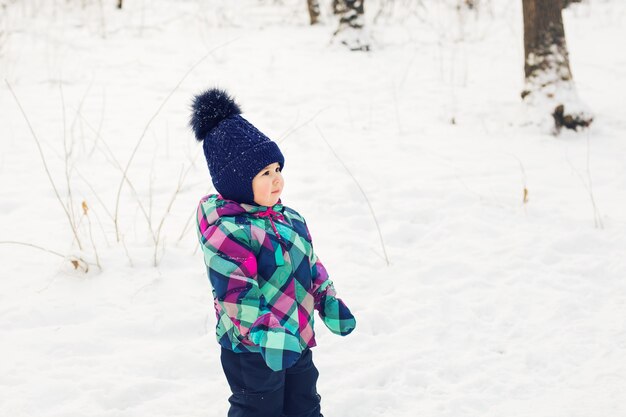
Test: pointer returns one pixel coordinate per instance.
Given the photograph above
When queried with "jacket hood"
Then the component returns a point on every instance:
(215, 207)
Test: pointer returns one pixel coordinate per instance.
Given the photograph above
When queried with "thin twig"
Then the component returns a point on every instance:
(12, 242)
(295, 123)
(293, 130)
(82, 177)
(597, 220)
(191, 216)
(181, 180)
(126, 251)
(75, 261)
(93, 243)
(43, 159)
(78, 112)
(380, 234)
(97, 132)
(524, 182)
(67, 154)
(150, 191)
(143, 134)
(596, 213)
(104, 234)
(128, 181)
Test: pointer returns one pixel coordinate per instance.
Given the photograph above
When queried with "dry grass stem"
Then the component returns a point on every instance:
(111, 157)
(93, 243)
(67, 157)
(76, 118)
(76, 262)
(43, 159)
(295, 129)
(143, 134)
(12, 242)
(588, 184)
(187, 223)
(597, 217)
(181, 181)
(524, 182)
(369, 204)
(130, 260)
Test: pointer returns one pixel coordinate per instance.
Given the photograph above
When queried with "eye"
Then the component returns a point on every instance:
(278, 169)
(266, 173)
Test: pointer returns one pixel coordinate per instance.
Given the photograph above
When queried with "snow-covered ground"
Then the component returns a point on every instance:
(489, 307)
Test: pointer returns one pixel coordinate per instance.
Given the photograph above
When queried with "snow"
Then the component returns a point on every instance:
(490, 306)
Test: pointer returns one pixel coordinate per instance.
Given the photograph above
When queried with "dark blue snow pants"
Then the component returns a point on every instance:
(260, 392)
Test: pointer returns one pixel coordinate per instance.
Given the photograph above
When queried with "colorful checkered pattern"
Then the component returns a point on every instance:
(266, 280)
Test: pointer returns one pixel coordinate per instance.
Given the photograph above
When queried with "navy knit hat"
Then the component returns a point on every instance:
(234, 149)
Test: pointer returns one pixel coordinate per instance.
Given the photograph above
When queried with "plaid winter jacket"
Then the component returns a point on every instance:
(266, 280)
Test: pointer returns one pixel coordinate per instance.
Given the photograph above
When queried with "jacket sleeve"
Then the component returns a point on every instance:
(232, 270)
(333, 311)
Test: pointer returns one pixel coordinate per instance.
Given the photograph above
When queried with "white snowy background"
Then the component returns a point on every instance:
(489, 306)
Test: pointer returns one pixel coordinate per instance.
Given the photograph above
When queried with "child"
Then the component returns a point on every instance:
(265, 275)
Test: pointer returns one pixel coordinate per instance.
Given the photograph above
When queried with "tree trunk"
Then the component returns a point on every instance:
(544, 39)
(546, 65)
(351, 31)
(568, 2)
(350, 12)
(314, 11)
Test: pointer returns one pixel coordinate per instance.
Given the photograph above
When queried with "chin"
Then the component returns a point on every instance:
(275, 197)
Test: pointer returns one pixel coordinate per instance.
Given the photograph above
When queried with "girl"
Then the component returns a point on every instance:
(260, 261)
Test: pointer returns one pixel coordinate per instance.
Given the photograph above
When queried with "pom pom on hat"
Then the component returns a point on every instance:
(209, 109)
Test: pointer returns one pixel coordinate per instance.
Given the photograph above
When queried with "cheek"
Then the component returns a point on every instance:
(266, 187)
(258, 187)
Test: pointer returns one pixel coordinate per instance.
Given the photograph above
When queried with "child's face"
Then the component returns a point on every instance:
(267, 185)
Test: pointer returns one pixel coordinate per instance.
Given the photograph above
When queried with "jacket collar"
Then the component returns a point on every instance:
(215, 206)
